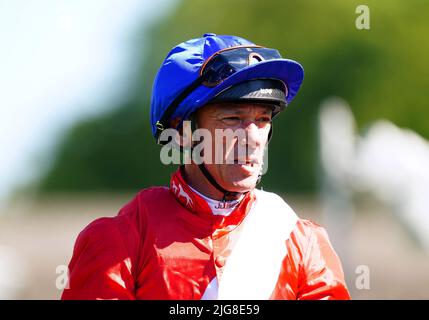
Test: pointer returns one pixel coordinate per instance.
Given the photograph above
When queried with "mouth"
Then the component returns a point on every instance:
(248, 162)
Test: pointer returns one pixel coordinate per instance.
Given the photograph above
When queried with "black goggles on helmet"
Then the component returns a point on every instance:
(226, 62)
(214, 71)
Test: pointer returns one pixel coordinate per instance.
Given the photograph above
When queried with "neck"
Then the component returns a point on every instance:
(195, 178)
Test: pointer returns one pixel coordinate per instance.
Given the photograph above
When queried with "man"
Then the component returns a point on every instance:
(211, 234)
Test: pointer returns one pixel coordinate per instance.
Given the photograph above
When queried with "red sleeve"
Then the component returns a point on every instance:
(102, 265)
(321, 273)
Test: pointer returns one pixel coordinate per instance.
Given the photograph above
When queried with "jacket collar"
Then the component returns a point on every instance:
(198, 206)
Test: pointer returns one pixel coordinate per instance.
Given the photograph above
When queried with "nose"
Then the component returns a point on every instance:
(253, 135)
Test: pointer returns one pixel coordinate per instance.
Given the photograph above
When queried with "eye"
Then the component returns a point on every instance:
(264, 120)
(231, 120)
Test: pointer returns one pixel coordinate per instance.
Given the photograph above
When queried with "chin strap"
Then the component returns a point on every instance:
(226, 194)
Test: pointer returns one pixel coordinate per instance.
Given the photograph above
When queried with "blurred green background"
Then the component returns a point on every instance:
(382, 73)
(104, 152)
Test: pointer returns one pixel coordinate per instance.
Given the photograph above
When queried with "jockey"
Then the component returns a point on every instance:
(211, 234)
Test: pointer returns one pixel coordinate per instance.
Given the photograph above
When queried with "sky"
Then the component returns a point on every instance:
(60, 60)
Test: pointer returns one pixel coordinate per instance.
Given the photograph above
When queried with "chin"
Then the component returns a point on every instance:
(234, 179)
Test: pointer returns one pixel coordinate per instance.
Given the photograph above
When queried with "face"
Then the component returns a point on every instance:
(241, 159)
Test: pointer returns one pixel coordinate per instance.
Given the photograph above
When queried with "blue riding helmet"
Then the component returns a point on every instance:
(202, 70)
